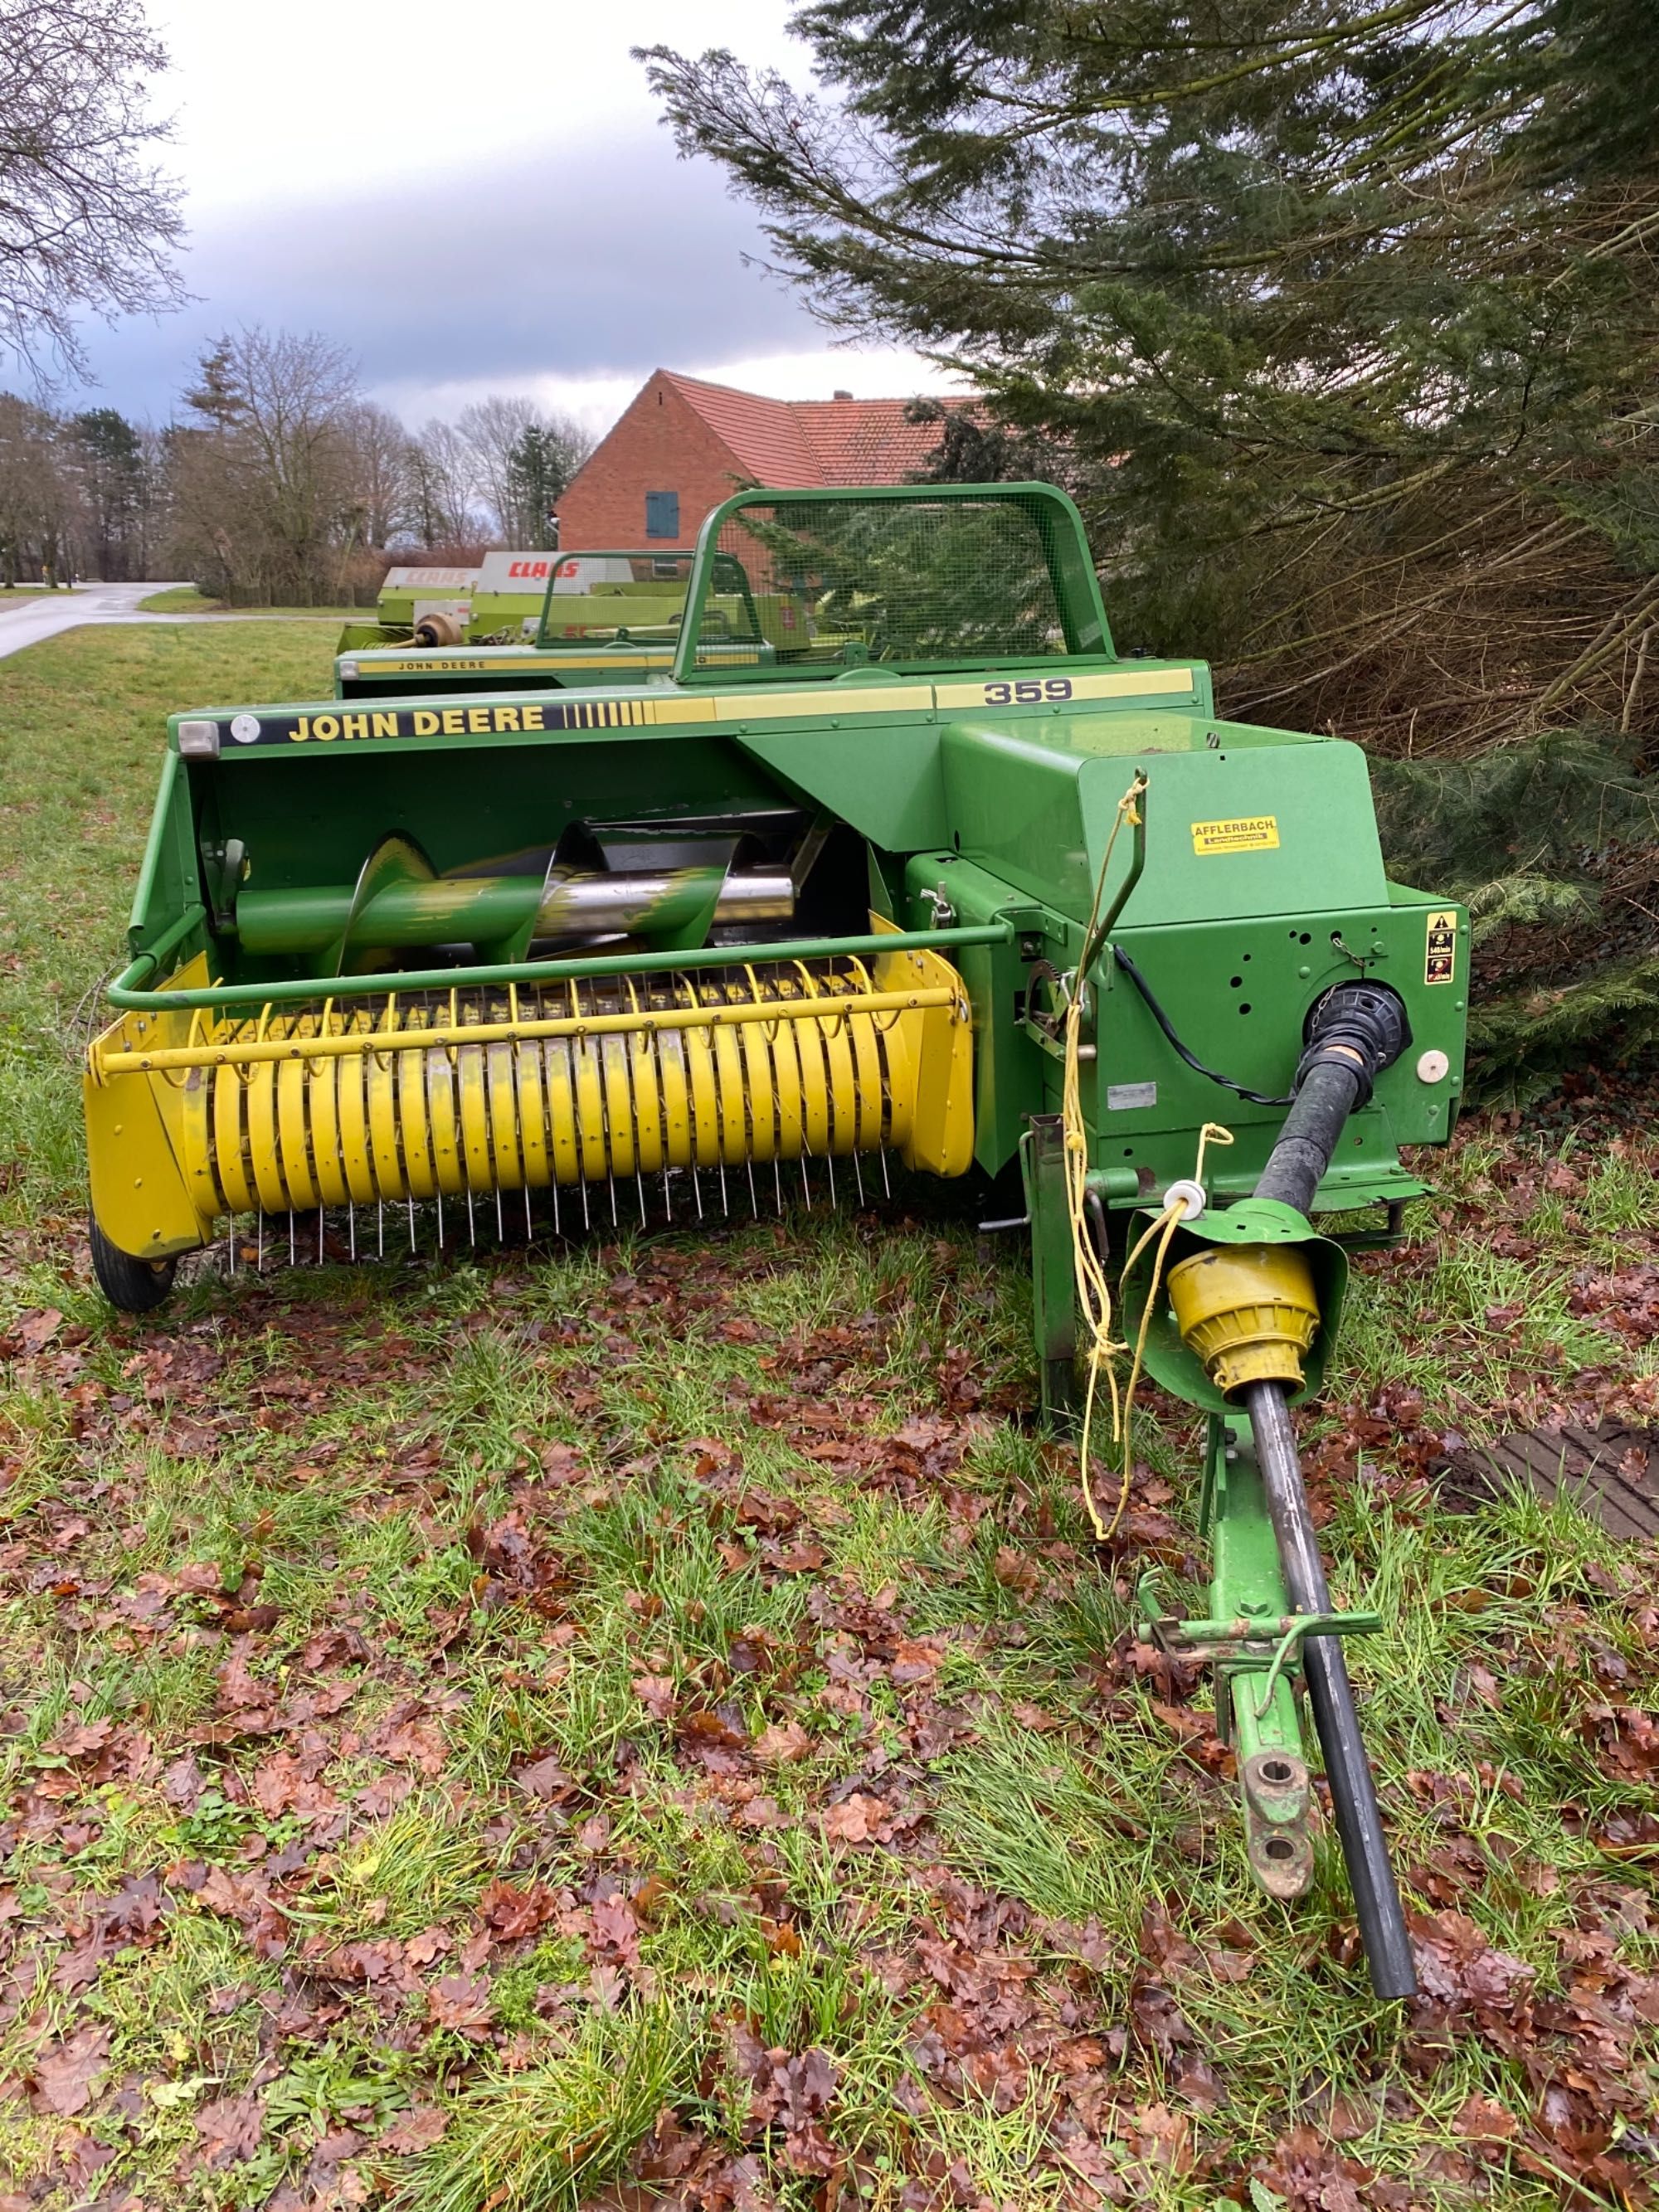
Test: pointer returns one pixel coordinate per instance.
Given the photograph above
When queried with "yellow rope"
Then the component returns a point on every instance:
(1167, 1223)
(1093, 1291)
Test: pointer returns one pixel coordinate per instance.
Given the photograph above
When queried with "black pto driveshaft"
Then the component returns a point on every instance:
(1356, 1031)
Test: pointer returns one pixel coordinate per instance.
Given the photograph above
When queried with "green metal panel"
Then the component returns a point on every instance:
(882, 777)
(494, 610)
(169, 878)
(1315, 806)
(1238, 994)
(1037, 801)
(1035, 797)
(1014, 804)
(1053, 1294)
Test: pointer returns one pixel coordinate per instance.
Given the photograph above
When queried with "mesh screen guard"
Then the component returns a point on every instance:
(630, 597)
(975, 575)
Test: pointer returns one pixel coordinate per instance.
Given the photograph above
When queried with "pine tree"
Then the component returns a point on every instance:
(1341, 319)
(542, 463)
(109, 458)
(217, 399)
(1343, 311)
(1553, 843)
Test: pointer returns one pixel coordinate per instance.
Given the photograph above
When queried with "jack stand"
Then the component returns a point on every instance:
(1253, 1640)
(1054, 1281)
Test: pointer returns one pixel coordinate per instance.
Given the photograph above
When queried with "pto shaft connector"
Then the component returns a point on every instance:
(1248, 1311)
(1354, 1032)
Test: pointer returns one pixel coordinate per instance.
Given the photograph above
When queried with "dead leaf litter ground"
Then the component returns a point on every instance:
(639, 1722)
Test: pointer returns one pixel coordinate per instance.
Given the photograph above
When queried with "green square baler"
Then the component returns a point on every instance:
(898, 859)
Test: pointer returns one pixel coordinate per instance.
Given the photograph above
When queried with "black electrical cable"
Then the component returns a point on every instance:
(1256, 1097)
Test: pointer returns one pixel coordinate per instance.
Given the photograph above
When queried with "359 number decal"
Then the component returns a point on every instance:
(1030, 694)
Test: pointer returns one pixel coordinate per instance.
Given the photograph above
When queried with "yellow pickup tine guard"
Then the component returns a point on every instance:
(435, 1094)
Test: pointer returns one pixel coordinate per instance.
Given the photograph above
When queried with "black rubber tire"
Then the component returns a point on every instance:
(134, 1285)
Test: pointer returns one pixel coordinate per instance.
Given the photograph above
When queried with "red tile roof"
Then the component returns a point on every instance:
(763, 435)
(862, 441)
(800, 443)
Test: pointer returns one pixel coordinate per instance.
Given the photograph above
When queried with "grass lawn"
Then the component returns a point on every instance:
(182, 600)
(640, 1722)
(185, 599)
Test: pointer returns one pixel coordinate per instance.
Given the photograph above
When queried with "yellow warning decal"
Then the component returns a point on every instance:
(1440, 950)
(1249, 833)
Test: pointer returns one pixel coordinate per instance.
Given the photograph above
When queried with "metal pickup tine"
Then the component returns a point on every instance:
(589, 1104)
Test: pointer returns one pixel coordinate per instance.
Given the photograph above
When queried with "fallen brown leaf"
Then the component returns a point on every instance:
(781, 1742)
(461, 2003)
(417, 2130)
(65, 2072)
(33, 1332)
(230, 2128)
(854, 1820)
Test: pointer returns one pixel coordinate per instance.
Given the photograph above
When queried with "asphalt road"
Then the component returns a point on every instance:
(38, 615)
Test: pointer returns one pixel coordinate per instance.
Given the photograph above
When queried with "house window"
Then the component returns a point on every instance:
(662, 514)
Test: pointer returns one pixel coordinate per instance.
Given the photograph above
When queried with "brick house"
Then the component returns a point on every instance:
(682, 447)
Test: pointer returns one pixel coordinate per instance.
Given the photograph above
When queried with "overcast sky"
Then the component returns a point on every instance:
(472, 198)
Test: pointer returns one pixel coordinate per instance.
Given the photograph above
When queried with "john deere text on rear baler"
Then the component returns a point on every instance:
(900, 860)
(606, 619)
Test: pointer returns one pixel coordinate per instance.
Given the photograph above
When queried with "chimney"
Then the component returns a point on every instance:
(841, 395)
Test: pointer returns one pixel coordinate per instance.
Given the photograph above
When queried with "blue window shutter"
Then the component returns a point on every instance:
(662, 514)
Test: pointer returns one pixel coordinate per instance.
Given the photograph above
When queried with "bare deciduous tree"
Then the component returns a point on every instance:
(442, 474)
(284, 484)
(522, 458)
(269, 501)
(489, 429)
(87, 222)
(381, 462)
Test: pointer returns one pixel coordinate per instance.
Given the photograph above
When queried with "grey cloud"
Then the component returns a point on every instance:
(577, 260)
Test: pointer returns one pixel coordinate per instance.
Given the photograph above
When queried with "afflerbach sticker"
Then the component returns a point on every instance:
(1440, 951)
(1250, 833)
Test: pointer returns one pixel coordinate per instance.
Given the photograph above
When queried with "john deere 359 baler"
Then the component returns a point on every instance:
(913, 867)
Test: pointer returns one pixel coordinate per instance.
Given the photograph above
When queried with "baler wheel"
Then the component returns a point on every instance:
(133, 1284)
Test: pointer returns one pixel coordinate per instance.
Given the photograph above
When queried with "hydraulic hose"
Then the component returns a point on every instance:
(1356, 1030)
